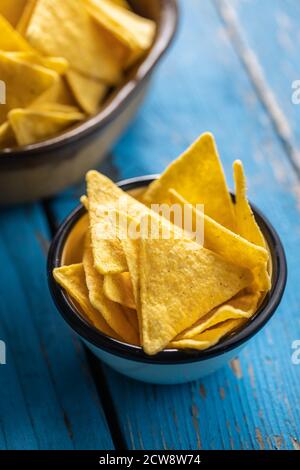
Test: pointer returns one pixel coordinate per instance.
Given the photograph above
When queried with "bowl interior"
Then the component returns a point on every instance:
(67, 248)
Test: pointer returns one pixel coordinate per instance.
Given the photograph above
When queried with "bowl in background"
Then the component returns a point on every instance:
(170, 366)
(45, 168)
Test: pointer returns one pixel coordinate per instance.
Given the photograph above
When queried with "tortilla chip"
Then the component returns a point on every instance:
(112, 312)
(118, 288)
(25, 82)
(66, 27)
(12, 10)
(208, 338)
(198, 176)
(23, 22)
(58, 64)
(31, 125)
(231, 246)
(201, 280)
(242, 306)
(7, 136)
(58, 93)
(246, 224)
(88, 92)
(131, 316)
(10, 39)
(72, 279)
(107, 250)
(134, 32)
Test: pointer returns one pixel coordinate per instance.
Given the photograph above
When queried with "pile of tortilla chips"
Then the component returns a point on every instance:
(59, 59)
(160, 288)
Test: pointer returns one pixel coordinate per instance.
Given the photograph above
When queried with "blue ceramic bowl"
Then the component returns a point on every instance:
(170, 366)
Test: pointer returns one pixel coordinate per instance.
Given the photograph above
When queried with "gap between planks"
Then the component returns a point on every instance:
(256, 75)
(94, 364)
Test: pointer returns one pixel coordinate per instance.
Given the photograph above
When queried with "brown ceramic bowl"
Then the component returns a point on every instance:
(42, 169)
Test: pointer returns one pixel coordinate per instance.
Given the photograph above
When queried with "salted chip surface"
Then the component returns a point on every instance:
(217, 238)
(57, 27)
(242, 306)
(118, 288)
(180, 282)
(30, 125)
(112, 312)
(198, 176)
(72, 279)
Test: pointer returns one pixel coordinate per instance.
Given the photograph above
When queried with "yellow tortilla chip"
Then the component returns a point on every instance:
(131, 316)
(31, 125)
(219, 239)
(180, 282)
(66, 28)
(12, 10)
(24, 83)
(111, 311)
(23, 22)
(134, 32)
(59, 92)
(208, 338)
(118, 288)
(198, 176)
(7, 136)
(107, 250)
(58, 64)
(246, 224)
(88, 92)
(72, 279)
(242, 306)
(10, 39)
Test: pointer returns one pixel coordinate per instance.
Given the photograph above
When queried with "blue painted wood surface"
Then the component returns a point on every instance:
(205, 83)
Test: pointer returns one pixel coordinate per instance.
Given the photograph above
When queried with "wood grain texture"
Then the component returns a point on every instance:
(47, 397)
(252, 403)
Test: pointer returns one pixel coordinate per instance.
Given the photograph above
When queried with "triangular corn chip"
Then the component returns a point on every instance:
(58, 64)
(242, 306)
(32, 125)
(103, 196)
(111, 311)
(88, 92)
(208, 338)
(118, 288)
(72, 279)
(201, 280)
(12, 10)
(59, 92)
(25, 82)
(246, 224)
(7, 136)
(135, 32)
(198, 176)
(26, 16)
(10, 39)
(66, 28)
(222, 241)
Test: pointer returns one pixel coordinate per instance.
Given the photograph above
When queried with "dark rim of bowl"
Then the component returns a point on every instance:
(166, 32)
(167, 356)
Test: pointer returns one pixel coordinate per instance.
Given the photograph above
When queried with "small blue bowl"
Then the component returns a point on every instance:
(170, 366)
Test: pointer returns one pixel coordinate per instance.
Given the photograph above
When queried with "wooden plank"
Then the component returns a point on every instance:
(47, 397)
(269, 50)
(254, 402)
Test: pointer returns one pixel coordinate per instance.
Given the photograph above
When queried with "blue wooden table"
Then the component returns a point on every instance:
(230, 71)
